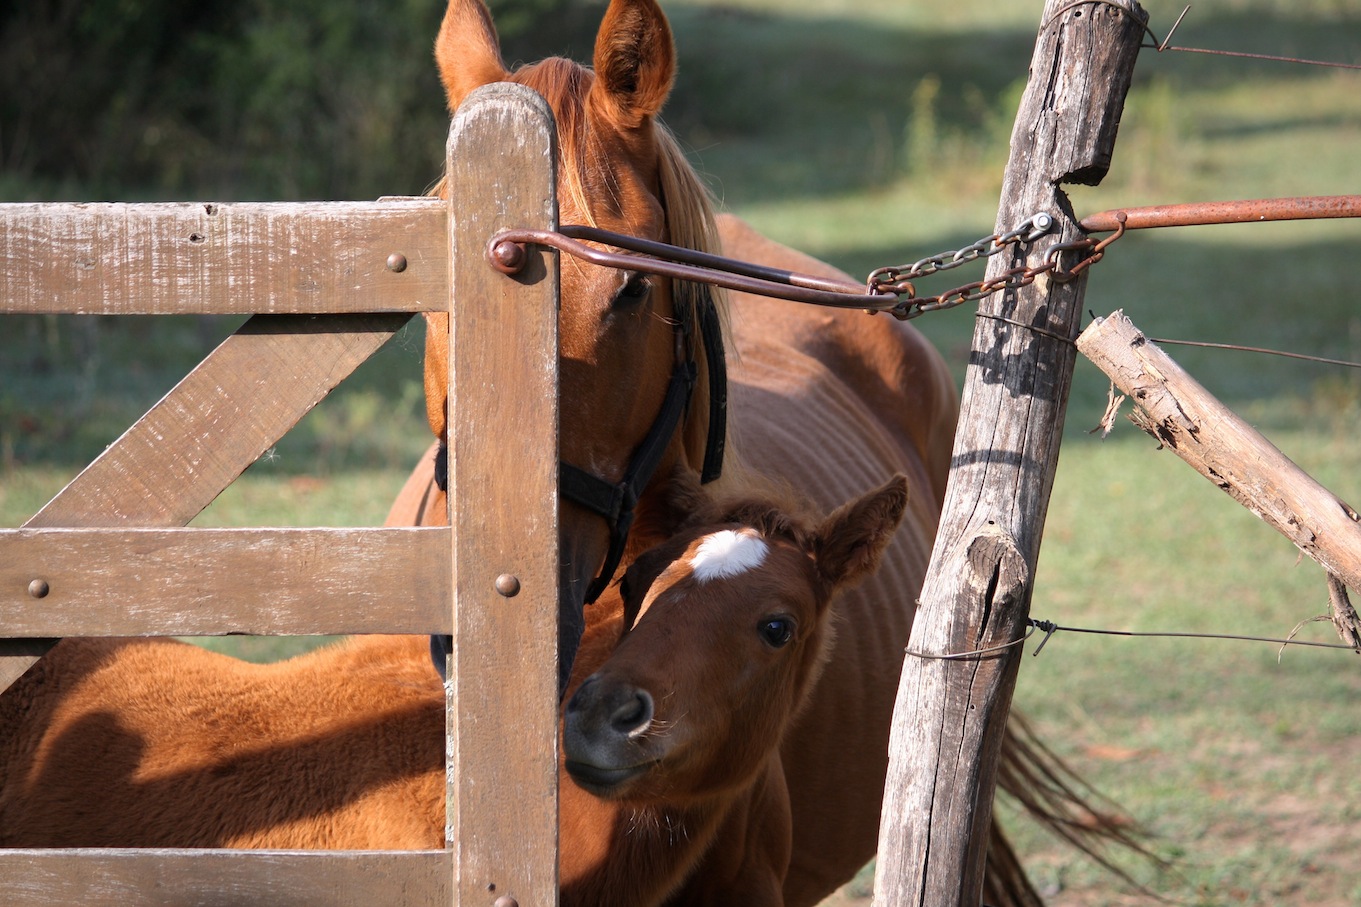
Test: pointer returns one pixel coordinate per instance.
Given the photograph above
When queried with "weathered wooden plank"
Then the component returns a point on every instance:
(210, 258)
(213, 878)
(951, 714)
(1186, 419)
(216, 422)
(502, 802)
(201, 582)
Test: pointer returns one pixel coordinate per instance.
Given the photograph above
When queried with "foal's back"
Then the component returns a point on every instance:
(149, 743)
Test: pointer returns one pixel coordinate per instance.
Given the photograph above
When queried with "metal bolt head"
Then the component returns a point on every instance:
(508, 585)
(39, 588)
(508, 257)
(506, 900)
(397, 262)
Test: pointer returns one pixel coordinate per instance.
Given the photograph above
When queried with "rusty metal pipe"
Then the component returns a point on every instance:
(1235, 212)
(506, 254)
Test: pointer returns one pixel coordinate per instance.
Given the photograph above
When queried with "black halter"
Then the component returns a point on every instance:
(617, 502)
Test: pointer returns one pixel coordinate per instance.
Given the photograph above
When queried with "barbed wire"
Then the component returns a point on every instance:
(1255, 349)
(1050, 628)
(1166, 45)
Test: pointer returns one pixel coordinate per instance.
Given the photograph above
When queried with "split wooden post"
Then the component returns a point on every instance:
(951, 714)
(503, 472)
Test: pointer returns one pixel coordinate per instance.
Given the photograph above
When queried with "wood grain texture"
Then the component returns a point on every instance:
(210, 258)
(1187, 420)
(212, 582)
(503, 696)
(950, 714)
(178, 878)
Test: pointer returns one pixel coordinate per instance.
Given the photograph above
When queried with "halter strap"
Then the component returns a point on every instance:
(617, 503)
(711, 335)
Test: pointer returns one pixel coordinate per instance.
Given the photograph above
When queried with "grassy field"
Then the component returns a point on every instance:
(874, 132)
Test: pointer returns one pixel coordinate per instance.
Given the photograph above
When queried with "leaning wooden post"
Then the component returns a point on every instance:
(1220, 445)
(950, 714)
(503, 472)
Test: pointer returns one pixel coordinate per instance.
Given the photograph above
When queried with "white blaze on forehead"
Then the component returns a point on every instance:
(728, 552)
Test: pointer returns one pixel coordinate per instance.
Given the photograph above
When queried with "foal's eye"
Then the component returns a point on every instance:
(776, 632)
(634, 290)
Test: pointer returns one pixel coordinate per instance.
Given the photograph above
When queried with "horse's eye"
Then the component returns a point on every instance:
(634, 290)
(776, 632)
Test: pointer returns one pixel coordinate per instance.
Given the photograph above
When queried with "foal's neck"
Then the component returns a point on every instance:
(626, 855)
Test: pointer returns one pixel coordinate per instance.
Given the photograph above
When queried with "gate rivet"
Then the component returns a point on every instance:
(508, 585)
(508, 257)
(397, 262)
(506, 900)
(39, 588)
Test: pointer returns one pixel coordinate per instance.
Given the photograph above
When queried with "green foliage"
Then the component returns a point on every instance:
(258, 99)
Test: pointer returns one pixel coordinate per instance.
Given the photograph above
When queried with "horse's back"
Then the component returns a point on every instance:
(834, 401)
(144, 743)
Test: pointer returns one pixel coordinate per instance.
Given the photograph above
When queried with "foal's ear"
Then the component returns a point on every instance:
(467, 51)
(635, 62)
(850, 541)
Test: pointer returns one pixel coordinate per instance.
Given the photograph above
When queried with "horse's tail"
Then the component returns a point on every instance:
(1055, 796)
(1005, 884)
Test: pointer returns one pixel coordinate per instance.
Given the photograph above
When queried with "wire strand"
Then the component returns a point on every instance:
(1256, 349)
(1049, 628)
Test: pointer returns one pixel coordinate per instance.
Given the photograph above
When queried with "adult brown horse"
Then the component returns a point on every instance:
(825, 400)
(697, 664)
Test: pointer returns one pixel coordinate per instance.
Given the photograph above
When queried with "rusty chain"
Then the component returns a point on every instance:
(1011, 279)
(1030, 230)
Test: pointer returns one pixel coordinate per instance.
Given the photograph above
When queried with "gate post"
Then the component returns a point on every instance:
(502, 691)
(951, 714)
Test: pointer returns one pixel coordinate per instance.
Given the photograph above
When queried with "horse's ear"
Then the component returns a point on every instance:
(467, 50)
(635, 62)
(849, 542)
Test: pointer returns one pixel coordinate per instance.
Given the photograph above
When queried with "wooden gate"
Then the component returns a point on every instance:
(327, 284)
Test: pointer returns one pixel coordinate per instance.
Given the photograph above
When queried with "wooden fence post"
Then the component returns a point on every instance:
(503, 472)
(950, 714)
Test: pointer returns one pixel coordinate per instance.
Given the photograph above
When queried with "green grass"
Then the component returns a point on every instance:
(1232, 754)
(872, 133)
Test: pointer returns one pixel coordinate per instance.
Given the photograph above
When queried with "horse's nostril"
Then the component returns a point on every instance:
(634, 715)
(581, 696)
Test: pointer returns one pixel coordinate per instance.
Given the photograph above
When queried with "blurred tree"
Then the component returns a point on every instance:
(257, 99)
